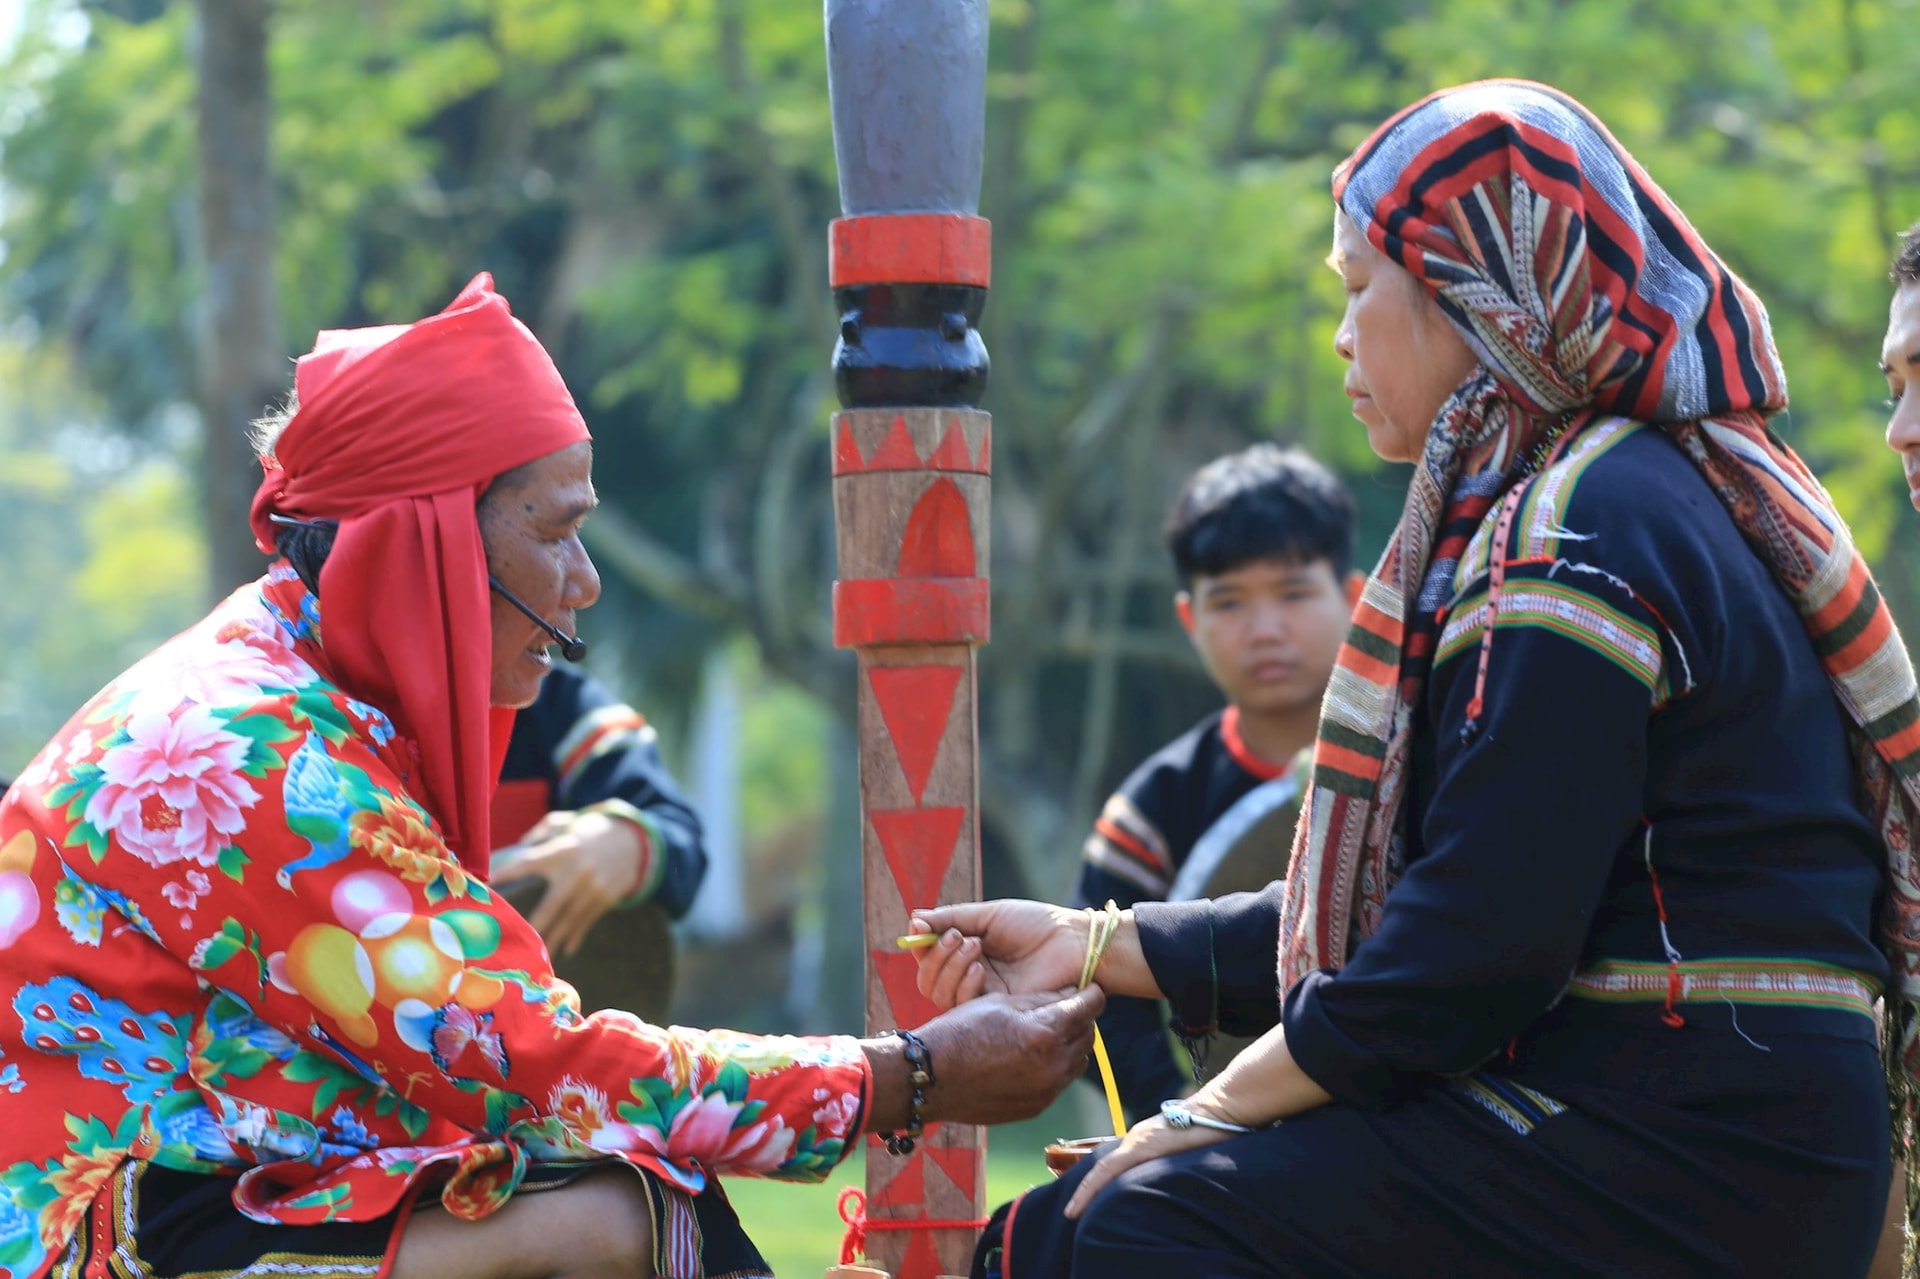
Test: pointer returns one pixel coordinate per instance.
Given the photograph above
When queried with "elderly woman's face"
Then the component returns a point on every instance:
(531, 529)
(1404, 358)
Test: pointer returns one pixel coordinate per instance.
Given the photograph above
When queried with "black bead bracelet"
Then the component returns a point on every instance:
(919, 1078)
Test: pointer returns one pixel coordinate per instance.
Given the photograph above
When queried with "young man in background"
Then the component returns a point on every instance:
(1263, 544)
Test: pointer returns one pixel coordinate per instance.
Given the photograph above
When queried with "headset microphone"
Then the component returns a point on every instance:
(572, 647)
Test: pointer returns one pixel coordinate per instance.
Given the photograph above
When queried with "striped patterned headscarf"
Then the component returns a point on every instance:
(1585, 293)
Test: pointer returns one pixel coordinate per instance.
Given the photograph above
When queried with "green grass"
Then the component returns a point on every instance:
(799, 1231)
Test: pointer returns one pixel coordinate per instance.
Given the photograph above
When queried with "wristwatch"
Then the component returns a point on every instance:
(1177, 1115)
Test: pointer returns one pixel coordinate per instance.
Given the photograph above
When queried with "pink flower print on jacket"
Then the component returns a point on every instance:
(709, 1123)
(241, 665)
(837, 1114)
(184, 897)
(173, 791)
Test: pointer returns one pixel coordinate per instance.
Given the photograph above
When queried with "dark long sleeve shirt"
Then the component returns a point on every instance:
(578, 746)
(1141, 842)
(1654, 710)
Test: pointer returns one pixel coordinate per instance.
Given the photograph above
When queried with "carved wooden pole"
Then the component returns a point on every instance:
(909, 267)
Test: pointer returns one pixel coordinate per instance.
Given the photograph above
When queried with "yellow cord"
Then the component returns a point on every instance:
(1101, 927)
(1106, 1081)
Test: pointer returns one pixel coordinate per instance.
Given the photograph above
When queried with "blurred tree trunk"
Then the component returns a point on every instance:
(242, 366)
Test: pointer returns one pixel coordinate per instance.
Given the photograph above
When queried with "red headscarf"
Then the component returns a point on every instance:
(399, 430)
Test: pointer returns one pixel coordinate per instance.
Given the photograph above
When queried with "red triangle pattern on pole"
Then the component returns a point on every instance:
(846, 452)
(907, 1187)
(899, 973)
(960, 1163)
(896, 451)
(921, 1258)
(915, 702)
(918, 844)
(952, 454)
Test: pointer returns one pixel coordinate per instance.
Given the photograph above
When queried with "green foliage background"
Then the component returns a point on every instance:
(650, 181)
(101, 557)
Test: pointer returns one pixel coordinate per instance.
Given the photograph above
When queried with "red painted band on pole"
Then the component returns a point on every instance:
(910, 248)
(910, 610)
(897, 452)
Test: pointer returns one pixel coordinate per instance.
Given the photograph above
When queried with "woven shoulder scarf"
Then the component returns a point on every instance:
(1585, 293)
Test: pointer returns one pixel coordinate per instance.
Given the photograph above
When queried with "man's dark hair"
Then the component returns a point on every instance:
(1906, 263)
(1259, 503)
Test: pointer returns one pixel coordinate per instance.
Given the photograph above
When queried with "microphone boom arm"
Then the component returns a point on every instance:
(572, 647)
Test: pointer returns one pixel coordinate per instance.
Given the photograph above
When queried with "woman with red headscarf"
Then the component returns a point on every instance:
(263, 1014)
(1607, 857)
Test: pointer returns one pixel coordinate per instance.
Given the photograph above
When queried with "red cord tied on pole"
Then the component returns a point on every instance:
(853, 1210)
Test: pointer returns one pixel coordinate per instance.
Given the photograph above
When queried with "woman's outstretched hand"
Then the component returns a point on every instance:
(1005, 947)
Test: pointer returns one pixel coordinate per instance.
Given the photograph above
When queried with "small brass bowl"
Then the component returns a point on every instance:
(1064, 1152)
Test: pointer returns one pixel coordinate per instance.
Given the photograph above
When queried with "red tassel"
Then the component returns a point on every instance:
(853, 1244)
(1670, 1017)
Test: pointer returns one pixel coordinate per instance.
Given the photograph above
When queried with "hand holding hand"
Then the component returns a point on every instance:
(1004, 947)
(995, 1059)
(1006, 1057)
(591, 861)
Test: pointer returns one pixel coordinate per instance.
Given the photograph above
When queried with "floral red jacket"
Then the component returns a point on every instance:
(231, 942)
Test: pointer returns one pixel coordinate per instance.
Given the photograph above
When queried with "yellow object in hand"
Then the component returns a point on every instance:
(916, 941)
(1107, 1082)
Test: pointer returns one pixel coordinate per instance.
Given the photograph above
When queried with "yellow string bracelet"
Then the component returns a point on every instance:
(1101, 927)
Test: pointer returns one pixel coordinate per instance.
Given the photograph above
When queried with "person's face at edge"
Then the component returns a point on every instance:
(1403, 357)
(1900, 362)
(1268, 631)
(531, 530)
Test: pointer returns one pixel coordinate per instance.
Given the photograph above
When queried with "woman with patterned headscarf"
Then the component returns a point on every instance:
(1606, 861)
